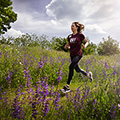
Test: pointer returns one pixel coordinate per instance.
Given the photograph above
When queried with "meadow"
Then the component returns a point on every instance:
(31, 79)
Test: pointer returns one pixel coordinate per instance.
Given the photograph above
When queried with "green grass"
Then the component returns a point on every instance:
(98, 100)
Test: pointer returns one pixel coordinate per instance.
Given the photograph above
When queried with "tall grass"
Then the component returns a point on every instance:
(31, 79)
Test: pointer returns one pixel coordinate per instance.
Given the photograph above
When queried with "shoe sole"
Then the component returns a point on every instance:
(64, 91)
(91, 78)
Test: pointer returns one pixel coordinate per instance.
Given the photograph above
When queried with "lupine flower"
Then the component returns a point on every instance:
(114, 72)
(1, 54)
(112, 111)
(9, 77)
(94, 102)
(118, 91)
(27, 75)
(87, 69)
(76, 99)
(56, 101)
(63, 61)
(60, 76)
(43, 83)
(46, 107)
(106, 65)
(45, 59)
(45, 90)
(69, 114)
(51, 91)
(104, 72)
(40, 64)
(17, 109)
(34, 114)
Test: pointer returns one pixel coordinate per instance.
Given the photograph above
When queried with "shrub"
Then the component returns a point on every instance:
(108, 47)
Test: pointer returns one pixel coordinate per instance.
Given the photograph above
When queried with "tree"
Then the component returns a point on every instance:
(6, 15)
(91, 48)
(108, 47)
(43, 41)
(26, 40)
(58, 43)
(8, 40)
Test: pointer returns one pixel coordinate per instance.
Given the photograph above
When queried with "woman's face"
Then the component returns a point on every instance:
(73, 27)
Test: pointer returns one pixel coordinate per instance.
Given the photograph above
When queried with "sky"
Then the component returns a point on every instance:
(54, 18)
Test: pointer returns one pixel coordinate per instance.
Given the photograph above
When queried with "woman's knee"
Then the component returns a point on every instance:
(71, 66)
(77, 69)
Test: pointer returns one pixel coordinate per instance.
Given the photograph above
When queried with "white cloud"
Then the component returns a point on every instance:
(95, 29)
(65, 9)
(14, 33)
(81, 10)
(54, 22)
(100, 17)
(27, 24)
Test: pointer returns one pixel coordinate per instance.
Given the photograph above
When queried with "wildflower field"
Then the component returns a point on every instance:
(31, 79)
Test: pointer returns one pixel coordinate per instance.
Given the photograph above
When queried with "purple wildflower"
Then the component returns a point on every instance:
(34, 114)
(87, 69)
(51, 91)
(112, 111)
(60, 76)
(1, 54)
(94, 102)
(27, 76)
(45, 90)
(63, 61)
(69, 114)
(104, 72)
(46, 107)
(56, 101)
(106, 65)
(9, 77)
(17, 108)
(40, 64)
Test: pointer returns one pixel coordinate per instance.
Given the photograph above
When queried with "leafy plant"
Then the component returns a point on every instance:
(108, 47)
(6, 15)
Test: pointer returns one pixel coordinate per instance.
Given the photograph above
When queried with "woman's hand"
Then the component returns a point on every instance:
(86, 44)
(83, 46)
(67, 46)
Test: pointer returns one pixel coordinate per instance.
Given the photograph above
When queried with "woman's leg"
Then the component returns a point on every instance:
(74, 63)
(89, 75)
(80, 70)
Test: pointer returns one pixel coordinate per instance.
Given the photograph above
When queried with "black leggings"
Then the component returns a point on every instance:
(74, 65)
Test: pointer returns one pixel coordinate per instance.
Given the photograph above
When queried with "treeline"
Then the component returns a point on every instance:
(108, 46)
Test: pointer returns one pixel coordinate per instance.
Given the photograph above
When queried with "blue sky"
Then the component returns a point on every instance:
(54, 18)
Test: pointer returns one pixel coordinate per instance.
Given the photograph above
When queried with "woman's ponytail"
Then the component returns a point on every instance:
(80, 26)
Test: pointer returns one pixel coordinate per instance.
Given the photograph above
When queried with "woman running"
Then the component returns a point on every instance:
(74, 44)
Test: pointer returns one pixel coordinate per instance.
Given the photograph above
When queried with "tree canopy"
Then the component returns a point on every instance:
(7, 16)
(108, 47)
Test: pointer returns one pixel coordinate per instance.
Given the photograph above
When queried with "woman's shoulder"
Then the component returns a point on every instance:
(81, 35)
(70, 35)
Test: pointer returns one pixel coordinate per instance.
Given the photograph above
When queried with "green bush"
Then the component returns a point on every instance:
(108, 47)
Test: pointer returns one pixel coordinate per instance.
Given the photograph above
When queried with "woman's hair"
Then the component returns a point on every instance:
(79, 25)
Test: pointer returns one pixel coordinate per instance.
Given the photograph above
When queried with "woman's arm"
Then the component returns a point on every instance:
(67, 46)
(86, 43)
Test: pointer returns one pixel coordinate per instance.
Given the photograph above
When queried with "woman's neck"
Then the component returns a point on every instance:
(75, 32)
